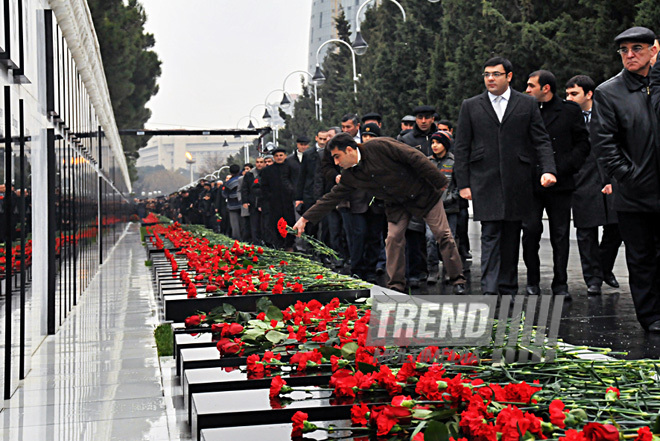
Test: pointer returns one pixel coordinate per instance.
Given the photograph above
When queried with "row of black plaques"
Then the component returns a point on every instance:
(220, 401)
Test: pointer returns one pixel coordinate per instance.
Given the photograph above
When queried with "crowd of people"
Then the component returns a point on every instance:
(401, 206)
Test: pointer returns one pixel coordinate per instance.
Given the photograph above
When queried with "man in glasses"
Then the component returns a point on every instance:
(499, 134)
(625, 138)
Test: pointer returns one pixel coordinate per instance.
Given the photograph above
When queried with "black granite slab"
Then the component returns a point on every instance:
(221, 379)
(277, 432)
(177, 309)
(252, 407)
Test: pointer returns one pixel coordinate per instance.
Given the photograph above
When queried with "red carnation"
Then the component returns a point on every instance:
(600, 432)
(557, 414)
(276, 386)
(298, 420)
(644, 434)
(572, 435)
(281, 227)
(194, 320)
(359, 414)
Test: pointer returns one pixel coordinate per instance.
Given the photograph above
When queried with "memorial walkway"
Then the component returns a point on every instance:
(99, 377)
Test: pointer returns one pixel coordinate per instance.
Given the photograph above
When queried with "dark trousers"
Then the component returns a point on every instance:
(558, 207)
(332, 233)
(462, 232)
(598, 260)
(500, 247)
(641, 234)
(256, 226)
(416, 267)
(362, 242)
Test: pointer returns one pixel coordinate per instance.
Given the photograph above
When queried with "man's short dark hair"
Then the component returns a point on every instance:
(583, 81)
(341, 141)
(545, 77)
(446, 122)
(335, 129)
(350, 117)
(508, 67)
(234, 169)
(249, 165)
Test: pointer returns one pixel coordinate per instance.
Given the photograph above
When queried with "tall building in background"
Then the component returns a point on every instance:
(322, 25)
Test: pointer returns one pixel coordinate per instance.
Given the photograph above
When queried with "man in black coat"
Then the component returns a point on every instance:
(295, 159)
(416, 235)
(498, 134)
(626, 139)
(570, 142)
(593, 204)
(251, 199)
(277, 200)
(408, 183)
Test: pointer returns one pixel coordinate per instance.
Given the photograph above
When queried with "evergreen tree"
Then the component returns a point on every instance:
(131, 67)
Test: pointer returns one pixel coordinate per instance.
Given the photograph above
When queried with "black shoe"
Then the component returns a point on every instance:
(414, 282)
(611, 280)
(459, 289)
(564, 293)
(380, 271)
(533, 290)
(593, 290)
(654, 327)
(372, 278)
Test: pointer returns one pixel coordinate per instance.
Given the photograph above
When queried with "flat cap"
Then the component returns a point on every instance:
(302, 139)
(408, 118)
(371, 129)
(637, 34)
(372, 116)
(423, 110)
(278, 150)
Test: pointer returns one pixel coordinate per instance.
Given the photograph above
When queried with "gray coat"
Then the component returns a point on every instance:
(495, 159)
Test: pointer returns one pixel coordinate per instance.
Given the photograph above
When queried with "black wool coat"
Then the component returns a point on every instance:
(570, 143)
(495, 159)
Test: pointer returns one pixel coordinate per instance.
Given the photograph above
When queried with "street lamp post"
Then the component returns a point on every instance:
(190, 161)
(318, 74)
(286, 101)
(359, 44)
(273, 116)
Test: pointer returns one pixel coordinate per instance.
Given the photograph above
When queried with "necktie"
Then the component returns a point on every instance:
(497, 106)
(587, 116)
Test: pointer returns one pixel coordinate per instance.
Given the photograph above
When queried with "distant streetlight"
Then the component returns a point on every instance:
(317, 101)
(249, 126)
(225, 144)
(318, 74)
(190, 161)
(272, 123)
(359, 44)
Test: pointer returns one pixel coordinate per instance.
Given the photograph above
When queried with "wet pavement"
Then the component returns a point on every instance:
(601, 321)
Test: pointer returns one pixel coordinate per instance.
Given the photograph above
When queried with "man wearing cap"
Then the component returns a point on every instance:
(295, 159)
(379, 167)
(625, 138)
(372, 118)
(369, 131)
(407, 124)
(416, 235)
(499, 133)
(277, 199)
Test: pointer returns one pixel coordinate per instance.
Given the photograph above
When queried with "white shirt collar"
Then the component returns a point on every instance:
(505, 96)
(359, 156)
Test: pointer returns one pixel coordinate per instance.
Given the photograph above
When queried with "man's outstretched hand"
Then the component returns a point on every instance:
(300, 226)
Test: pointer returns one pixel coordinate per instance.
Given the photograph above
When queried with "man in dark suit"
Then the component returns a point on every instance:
(570, 142)
(498, 134)
(592, 204)
(295, 159)
(409, 184)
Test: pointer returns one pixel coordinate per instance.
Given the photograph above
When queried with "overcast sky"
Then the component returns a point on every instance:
(220, 58)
